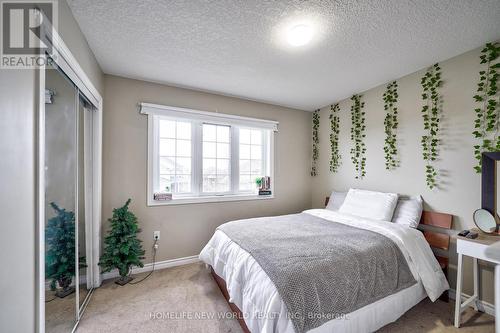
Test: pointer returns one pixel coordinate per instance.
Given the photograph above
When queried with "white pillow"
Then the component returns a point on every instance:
(370, 204)
(336, 200)
(408, 211)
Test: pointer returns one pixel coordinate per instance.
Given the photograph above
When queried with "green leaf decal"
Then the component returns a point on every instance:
(431, 114)
(486, 124)
(315, 142)
(390, 98)
(335, 158)
(358, 128)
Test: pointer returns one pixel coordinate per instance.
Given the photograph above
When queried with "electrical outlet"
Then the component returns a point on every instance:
(156, 235)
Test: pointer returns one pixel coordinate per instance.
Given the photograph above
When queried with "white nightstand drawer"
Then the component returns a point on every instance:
(474, 249)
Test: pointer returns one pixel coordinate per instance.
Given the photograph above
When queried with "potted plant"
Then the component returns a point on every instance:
(258, 182)
(122, 248)
(60, 253)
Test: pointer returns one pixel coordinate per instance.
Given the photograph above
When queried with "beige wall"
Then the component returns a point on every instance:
(185, 229)
(459, 192)
(18, 169)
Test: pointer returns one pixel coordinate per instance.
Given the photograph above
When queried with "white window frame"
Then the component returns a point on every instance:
(197, 119)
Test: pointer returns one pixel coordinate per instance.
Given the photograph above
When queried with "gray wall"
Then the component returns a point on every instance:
(185, 229)
(18, 170)
(460, 185)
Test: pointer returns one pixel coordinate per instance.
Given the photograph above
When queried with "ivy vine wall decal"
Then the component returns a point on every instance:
(315, 142)
(431, 113)
(358, 135)
(486, 125)
(390, 98)
(335, 157)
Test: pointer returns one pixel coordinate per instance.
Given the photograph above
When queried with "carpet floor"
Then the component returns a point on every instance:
(185, 299)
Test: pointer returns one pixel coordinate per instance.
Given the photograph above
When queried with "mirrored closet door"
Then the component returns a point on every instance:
(68, 200)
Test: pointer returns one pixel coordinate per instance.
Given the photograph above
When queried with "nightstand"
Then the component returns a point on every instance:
(484, 247)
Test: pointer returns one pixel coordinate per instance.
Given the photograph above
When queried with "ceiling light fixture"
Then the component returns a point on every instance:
(300, 35)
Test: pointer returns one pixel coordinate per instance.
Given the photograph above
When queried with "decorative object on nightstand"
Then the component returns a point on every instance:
(477, 248)
(485, 221)
(468, 234)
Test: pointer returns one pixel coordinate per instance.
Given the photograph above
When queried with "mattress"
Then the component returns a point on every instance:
(255, 295)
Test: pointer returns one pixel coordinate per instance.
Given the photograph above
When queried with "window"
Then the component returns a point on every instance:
(174, 156)
(196, 156)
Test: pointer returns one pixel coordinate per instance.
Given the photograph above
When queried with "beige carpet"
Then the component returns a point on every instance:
(167, 300)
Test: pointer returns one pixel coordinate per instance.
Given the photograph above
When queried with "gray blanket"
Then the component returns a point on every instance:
(321, 269)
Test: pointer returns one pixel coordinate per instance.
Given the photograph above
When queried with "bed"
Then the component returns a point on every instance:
(260, 300)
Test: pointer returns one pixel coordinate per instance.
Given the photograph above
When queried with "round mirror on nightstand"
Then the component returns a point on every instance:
(485, 221)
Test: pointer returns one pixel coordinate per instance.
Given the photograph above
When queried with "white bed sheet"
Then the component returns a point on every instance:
(256, 296)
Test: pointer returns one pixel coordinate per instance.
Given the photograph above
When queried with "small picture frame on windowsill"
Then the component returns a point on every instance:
(162, 196)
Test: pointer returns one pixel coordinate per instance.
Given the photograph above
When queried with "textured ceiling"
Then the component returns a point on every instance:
(238, 47)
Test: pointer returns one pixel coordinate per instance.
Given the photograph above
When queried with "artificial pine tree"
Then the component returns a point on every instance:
(60, 253)
(122, 248)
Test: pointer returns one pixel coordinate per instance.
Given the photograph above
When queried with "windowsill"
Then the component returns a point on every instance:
(207, 199)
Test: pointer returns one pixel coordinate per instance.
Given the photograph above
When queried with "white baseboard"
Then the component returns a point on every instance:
(481, 305)
(149, 267)
(136, 270)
